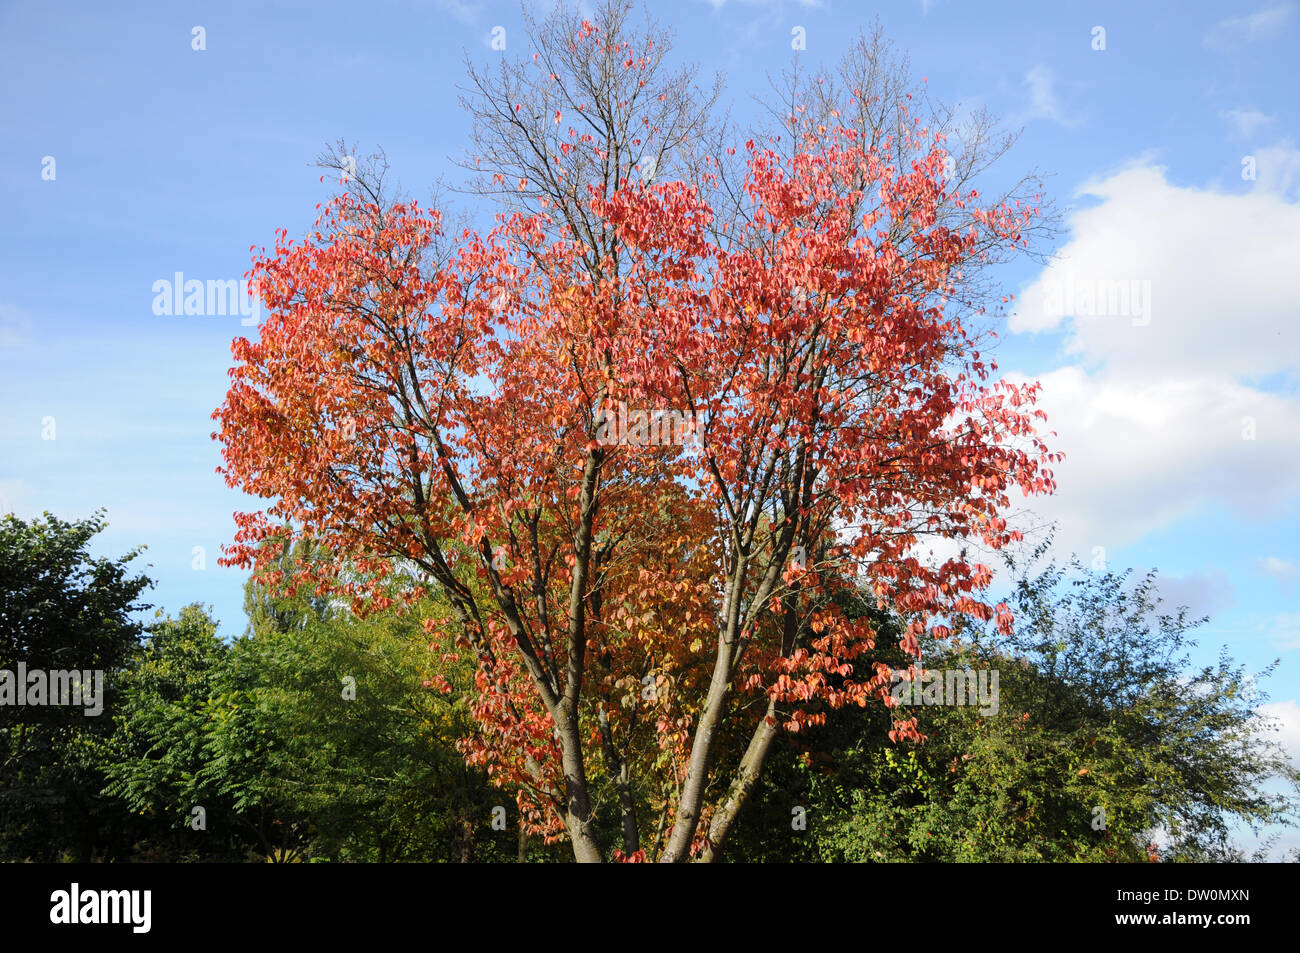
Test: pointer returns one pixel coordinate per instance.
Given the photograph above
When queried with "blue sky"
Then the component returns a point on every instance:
(1175, 150)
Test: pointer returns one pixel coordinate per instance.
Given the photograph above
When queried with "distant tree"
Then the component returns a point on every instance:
(365, 738)
(61, 609)
(1113, 653)
(315, 736)
(1105, 740)
(161, 762)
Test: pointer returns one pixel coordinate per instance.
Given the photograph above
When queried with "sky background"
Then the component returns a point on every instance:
(1174, 152)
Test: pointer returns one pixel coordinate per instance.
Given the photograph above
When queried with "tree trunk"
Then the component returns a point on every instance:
(751, 766)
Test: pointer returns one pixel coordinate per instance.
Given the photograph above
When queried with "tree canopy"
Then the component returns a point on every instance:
(442, 402)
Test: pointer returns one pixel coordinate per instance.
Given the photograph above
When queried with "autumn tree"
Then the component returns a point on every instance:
(648, 608)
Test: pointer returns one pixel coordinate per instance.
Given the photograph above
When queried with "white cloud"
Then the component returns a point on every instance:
(15, 497)
(1161, 414)
(1201, 593)
(1283, 571)
(1246, 122)
(1278, 169)
(1142, 454)
(1285, 629)
(1221, 269)
(1043, 100)
(1278, 567)
(1279, 630)
(1284, 716)
(1233, 32)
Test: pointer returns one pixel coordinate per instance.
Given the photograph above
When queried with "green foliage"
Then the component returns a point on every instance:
(312, 737)
(320, 736)
(61, 609)
(1188, 738)
(177, 746)
(1011, 787)
(814, 770)
(1104, 741)
(359, 745)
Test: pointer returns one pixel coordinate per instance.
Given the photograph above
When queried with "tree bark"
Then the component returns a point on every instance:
(742, 785)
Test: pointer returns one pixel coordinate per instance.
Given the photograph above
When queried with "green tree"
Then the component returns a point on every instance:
(174, 757)
(1105, 738)
(363, 739)
(314, 736)
(358, 744)
(61, 609)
